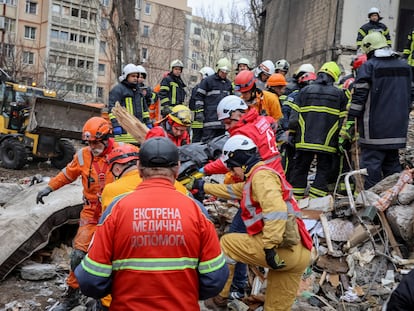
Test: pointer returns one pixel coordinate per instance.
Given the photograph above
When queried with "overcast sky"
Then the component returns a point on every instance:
(216, 5)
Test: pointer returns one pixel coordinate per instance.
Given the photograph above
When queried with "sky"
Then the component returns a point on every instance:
(216, 5)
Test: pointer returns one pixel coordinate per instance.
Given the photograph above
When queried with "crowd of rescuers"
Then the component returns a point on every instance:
(154, 247)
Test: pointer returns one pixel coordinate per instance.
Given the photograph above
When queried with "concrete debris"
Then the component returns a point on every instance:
(37, 271)
(8, 191)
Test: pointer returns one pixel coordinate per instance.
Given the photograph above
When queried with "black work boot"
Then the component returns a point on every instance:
(70, 300)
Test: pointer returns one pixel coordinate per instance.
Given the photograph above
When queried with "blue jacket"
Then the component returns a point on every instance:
(381, 102)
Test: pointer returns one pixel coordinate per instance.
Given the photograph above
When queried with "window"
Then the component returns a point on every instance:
(9, 50)
(91, 40)
(64, 35)
(194, 66)
(62, 60)
(147, 8)
(56, 8)
(81, 63)
(71, 62)
(104, 24)
(31, 7)
(144, 53)
(9, 24)
(73, 37)
(28, 58)
(29, 32)
(92, 16)
(195, 55)
(82, 39)
(197, 43)
(212, 36)
(89, 65)
(226, 38)
(84, 14)
(66, 10)
(70, 87)
(9, 2)
(102, 47)
(88, 89)
(197, 31)
(105, 2)
(99, 92)
(101, 69)
(79, 88)
(54, 34)
(75, 12)
(146, 30)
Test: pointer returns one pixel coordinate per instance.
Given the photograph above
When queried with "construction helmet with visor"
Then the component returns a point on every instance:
(96, 128)
(122, 154)
(181, 115)
(244, 81)
(228, 105)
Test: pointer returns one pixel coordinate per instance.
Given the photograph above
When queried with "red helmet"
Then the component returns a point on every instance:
(347, 83)
(307, 76)
(358, 61)
(122, 154)
(244, 81)
(96, 128)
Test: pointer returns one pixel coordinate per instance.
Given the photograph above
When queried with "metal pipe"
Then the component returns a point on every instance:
(362, 171)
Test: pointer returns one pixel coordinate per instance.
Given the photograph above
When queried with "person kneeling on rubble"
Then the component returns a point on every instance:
(276, 237)
(175, 126)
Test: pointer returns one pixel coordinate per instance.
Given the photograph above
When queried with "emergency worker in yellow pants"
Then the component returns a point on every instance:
(276, 237)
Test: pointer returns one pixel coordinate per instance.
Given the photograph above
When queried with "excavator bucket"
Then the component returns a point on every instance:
(59, 118)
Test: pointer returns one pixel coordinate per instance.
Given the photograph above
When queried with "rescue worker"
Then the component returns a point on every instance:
(374, 25)
(172, 91)
(263, 72)
(209, 93)
(276, 236)
(147, 93)
(408, 52)
(90, 164)
(197, 126)
(381, 103)
(128, 94)
(264, 102)
(153, 249)
(237, 119)
(174, 126)
(282, 66)
(293, 84)
(321, 109)
(242, 64)
(402, 298)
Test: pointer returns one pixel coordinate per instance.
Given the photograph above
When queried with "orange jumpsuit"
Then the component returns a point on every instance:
(95, 175)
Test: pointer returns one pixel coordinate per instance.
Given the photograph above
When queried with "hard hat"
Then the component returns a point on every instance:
(244, 81)
(122, 154)
(228, 105)
(176, 63)
(304, 68)
(244, 61)
(358, 61)
(332, 69)
(282, 64)
(181, 115)
(223, 64)
(96, 128)
(142, 70)
(237, 150)
(276, 79)
(373, 11)
(307, 76)
(373, 41)
(128, 69)
(158, 152)
(206, 71)
(267, 67)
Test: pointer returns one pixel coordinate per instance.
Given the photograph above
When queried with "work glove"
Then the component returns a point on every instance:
(165, 111)
(196, 187)
(117, 130)
(43, 193)
(273, 259)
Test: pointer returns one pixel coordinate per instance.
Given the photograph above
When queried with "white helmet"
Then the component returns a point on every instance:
(373, 11)
(229, 104)
(176, 63)
(304, 68)
(267, 67)
(282, 64)
(244, 61)
(128, 69)
(142, 70)
(237, 143)
(206, 71)
(223, 64)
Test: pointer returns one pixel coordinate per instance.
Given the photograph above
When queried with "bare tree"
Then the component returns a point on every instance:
(12, 60)
(256, 16)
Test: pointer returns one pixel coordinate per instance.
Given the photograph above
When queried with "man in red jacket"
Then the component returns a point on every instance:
(153, 248)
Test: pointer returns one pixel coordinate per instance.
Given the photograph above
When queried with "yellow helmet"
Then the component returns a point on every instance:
(373, 41)
(181, 114)
(332, 69)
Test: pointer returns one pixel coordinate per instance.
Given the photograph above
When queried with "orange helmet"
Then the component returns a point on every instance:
(122, 154)
(244, 81)
(96, 128)
(276, 79)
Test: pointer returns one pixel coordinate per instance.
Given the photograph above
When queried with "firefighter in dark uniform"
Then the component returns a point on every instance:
(321, 109)
(374, 25)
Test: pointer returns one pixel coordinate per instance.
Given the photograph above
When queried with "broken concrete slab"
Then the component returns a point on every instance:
(400, 218)
(37, 271)
(8, 191)
(26, 226)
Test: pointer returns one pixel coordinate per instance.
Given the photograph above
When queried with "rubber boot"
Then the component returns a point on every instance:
(70, 300)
